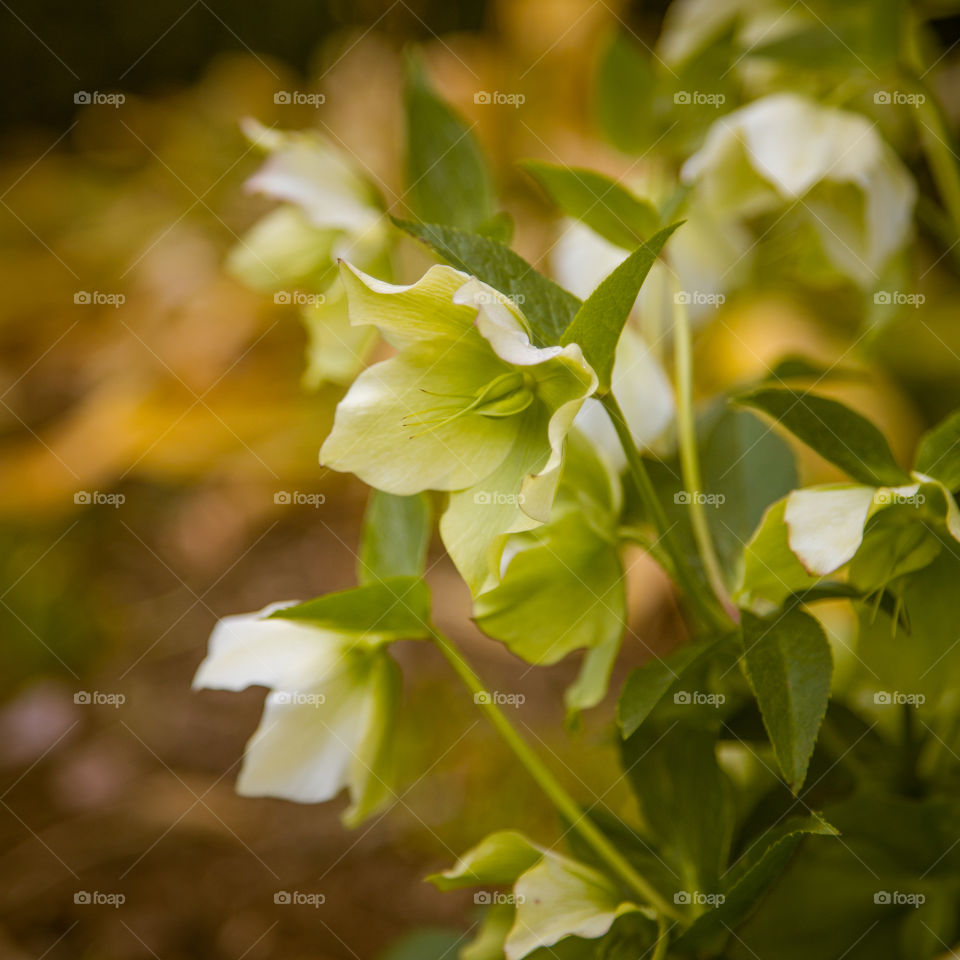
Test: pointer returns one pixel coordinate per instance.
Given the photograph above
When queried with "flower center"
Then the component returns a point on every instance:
(504, 396)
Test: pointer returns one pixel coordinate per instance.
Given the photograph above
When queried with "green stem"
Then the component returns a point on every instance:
(689, 461)
(688, 584)
(935, 135)
(565, 804)
(663, 940)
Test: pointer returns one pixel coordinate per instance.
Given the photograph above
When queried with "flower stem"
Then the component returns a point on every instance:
(935, 136)
(689, 461)
(691, 589)
(663, 940)
(569, 809)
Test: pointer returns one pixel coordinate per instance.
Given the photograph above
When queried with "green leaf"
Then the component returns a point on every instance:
(809, 45)
(548, 308)
(745, 467)
(600, 202)
(394, 609)
(751, 877)
(647, 685)
(395, 537)
(833, 430)
(789, 665)
(938, 454)
(795, 366)
(600, 321)
(446, 171)
(685, 798)
(425, 944)
(624, 94)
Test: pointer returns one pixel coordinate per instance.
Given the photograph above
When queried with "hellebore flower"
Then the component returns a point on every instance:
(331, 708)
(554, 896)
(846, 181)
(816, 531)
(468, 405)
(328, 211)
(562, 585)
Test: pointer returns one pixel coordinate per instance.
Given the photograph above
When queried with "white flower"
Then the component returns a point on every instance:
(785, 149)
(326, 720)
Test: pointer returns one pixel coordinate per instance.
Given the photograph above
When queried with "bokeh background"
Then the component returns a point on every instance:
(185, 401)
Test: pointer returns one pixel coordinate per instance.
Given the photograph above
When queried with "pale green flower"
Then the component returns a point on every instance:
(468, 405)
(554, 896)
(833, 164)
(562, 584)
(328, 717)
(817, 531)
(825, 525)
(328, 211)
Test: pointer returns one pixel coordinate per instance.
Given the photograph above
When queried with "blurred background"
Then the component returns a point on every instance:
(151, 408)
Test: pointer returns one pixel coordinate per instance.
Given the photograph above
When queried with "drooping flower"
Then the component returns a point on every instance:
(328, 211)
(816, 531)
(554, 896)
(468, 405)
(832, 164)
(562, 584)
(331, 709)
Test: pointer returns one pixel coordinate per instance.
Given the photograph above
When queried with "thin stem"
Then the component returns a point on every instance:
(569, 809)
(692, 590)
(934, 132)
(689, 461)
(663, 940)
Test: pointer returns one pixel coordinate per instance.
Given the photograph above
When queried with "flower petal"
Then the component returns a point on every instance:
(247, 649)
(304, 750)
(305, 168)
(405, 313)
(474, 525)
(373, 437)
(825, 524)
(560, 897)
